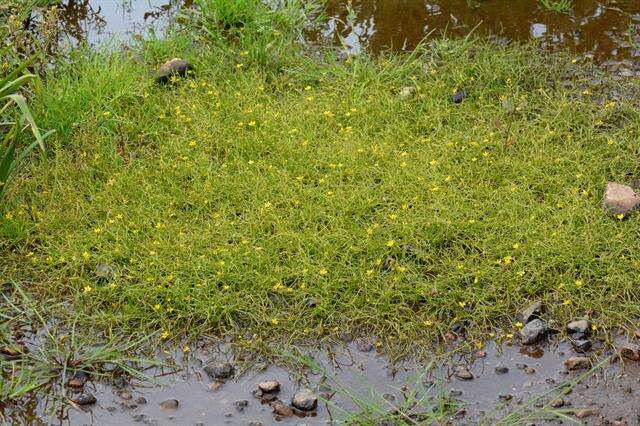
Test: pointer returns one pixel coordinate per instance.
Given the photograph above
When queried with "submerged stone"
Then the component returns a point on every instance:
(533, 332)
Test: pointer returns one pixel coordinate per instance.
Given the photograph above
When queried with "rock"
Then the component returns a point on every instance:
(463, 373)
(581, 345)
(529, 370)
(481, 354)
(241, 404)
(532, 312)
(106, 271)
(78, 379)
(346, 337)
(407, 92)
(304, 400)
(505, 397)
(580, 326)
(459, 96)
(557, 403)
(502, 370)
(220, 370)
(169, 405)
(281, 409)
(620, 199)
(577, 363)
(84, 398)
(363, 345)
(586, 412)
(521, 366)
(215, 385)
(175, 67)
(388, 263)
(269, 386)
(141, 400)
(533, 332)
(630, 351)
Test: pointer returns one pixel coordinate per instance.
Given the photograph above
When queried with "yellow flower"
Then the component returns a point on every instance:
(578, 283)
(323, 272)
(567, 302)
(427, 323)
(164, 335)
(518, 324)
(186, 349)
(156, 307)
(87, 289)
(462, 304)
(85, 255)
(275, 321)
(391, 243)
(620, 216)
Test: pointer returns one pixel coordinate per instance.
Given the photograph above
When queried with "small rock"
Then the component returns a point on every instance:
(459, 96)
(241, 404)
(529, 370)
(169, 404)
(346, 337)
(389, 397)
(480, 354)
(363, 345)
(502, 370)
(215, 385)
(521, 366)
(388, 263)
(78, 379)
(304, 401)
(620, 199)
(84, 398)
(254, 424)
(533, 332)
(407, 92)
(557, 403)
(174, 67)
(455, 393)
(532, 312)
(106, 271)
(463, 373)
(580, 326)
(220, 370)
(581, 345)
(281, 409)
(141, 400)
(630, 351)
(577, 363)
(269, 386)
(505, 397)
(586, 412)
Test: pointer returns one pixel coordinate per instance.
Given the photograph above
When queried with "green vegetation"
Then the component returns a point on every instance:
(558, 6)
(277, 194)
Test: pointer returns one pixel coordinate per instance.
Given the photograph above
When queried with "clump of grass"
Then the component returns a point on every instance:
(558, 6)
(301, 202)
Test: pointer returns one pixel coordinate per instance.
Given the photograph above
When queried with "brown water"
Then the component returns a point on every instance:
(606, 29)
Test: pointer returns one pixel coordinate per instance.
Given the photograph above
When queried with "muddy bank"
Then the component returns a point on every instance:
(533, 383)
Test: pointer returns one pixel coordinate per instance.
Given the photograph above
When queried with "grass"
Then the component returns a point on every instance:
(557, 6)
(302, 197)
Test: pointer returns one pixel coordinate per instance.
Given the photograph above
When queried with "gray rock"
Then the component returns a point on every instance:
(533, 332)
(84, 398)
(304, 400)
(620, 199)
(78, 379)
(174, 67)
(580, 326)
(532, 312)
(557, 403)
(505, 397)
(502, 369)
(269, 386)
(169, 404)
(581, 345)
(586, 412)
(106, 271)
(220, 370)
(459, 96)
(577, 363)
(281, 409)
(529, 370)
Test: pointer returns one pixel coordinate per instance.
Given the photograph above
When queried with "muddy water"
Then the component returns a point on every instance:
(606, 29)
(612, 392)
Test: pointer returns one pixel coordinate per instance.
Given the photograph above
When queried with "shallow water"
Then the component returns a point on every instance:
(612, 391)
(605, 29)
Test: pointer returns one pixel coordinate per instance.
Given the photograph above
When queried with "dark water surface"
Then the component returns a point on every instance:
(606, 29)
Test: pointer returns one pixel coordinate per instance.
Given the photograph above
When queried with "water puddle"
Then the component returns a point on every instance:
(605, 29)
(505, 379)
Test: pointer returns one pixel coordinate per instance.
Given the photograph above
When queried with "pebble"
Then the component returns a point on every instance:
(84, 398)
(502, 370)
(481, 354)
(407, 92)
(533, 332)
(363, 345)
(521, 366)
(254, 424)
(505, 397)
(174, 67)
(269, 386)
(220, 370)
(580, 326)
(529, 370)
(78, 379)
(215, 385)
(619, 198)
(581, 345)
(106, 271)
(586, 412)
(577, 363)
(533, 311)
(304, 400)
(169, 404)
(241, 404)
(281, 409)
(630, 351)
(463, 373)
(557, 403)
